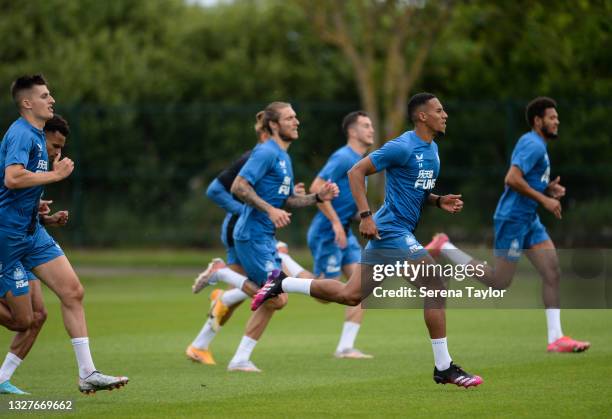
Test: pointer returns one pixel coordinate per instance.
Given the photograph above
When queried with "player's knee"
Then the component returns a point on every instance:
(279, 302)
(501, 285)
(501, 281)
(40, 317)
(74, 294)
(23, 323)
(351, 298)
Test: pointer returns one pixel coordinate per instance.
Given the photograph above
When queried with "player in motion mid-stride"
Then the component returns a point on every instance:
(24, 244)
(335, 250)
(412, 166)
(517, 225)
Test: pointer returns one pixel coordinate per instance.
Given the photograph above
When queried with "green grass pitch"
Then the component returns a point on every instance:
(140, 325)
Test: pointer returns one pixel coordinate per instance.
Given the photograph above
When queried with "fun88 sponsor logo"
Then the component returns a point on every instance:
(285, 187)
(425, 180)
(42, 166)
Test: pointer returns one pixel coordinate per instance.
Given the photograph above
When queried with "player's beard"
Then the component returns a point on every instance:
(548, 134)
(286, 138)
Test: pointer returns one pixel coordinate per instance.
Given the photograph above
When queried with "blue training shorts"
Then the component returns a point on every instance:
(392, 249)
(511, 237)
(19, 254)
(329, 258)
(258, 258)
(227, 231)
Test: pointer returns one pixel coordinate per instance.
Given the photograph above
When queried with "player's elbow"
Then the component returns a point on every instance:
(210, 191)
(11, 182)
(354, 174)
(510, 180)
(236, 189)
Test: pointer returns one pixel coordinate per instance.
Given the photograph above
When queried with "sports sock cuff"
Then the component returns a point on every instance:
(292, 266)
(230, 277)
(80, 341)
(14, 358)
(455, 255)
(297, 285)
(233, 296)
(449, 246)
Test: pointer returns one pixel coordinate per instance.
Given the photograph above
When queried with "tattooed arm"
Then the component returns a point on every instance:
(245, 192)
(327, 192)
(299, 201)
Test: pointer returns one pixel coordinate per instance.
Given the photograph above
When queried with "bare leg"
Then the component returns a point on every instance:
(259, 319)
(59, 276)
(499, 276)
(23, 341)
(435, 320)
(20, 314)
(543, 257)
(353, 314)
(348, 293)
(434, 310)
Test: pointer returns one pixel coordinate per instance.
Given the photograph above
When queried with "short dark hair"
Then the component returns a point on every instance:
(416, 101)
(25, 83)
(350, 119)
(57, 124)
(537, 107)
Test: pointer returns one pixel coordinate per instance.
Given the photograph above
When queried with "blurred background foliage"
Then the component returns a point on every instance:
(161, 96)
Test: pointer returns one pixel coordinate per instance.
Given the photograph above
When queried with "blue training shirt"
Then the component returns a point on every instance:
(531, 157)
(412, 166)
(22, 144)
(270, 173)
(336, 169)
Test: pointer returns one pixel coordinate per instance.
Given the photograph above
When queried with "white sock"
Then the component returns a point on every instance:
(455, 255)
(233, 296)
(293, 267)
(349, 334)
(243, 353)
(442, 358)
(83, 356)
(553, 322)
(230, 277)
(206, 335)
(10, 364)
(297, 285)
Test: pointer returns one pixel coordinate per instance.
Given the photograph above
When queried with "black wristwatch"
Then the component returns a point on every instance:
(318, 198)
(438, 201)
(365, 214)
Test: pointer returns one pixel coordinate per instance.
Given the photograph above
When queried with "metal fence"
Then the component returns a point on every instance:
(141, 170)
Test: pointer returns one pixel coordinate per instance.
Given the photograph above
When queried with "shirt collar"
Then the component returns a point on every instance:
(539, 137)
(32, 127)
